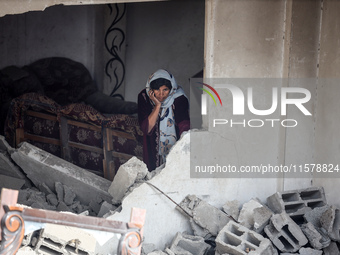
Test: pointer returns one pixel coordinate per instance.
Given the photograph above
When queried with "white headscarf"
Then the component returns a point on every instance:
(167, 130)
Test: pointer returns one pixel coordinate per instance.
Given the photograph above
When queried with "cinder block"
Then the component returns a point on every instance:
(188, 244)
(317, 237)
(236, 239)
(285, 234)
(330, 220)
(205, 215)
(297, 202)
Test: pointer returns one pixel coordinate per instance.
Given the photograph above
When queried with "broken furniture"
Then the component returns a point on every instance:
(14, 220)
(54, 104)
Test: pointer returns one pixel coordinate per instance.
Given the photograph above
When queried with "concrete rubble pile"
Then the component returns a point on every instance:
(289, 222)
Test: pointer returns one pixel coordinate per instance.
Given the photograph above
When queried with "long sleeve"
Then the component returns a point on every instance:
(181, 111)
(144, 110)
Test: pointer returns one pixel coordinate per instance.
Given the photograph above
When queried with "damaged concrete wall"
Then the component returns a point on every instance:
(300, 41)
(162, 220)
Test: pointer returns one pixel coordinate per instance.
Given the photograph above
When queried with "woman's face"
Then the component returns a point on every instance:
(162, 93)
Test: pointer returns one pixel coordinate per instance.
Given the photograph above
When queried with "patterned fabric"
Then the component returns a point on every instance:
(82, 112)
(89, 160)
(126, 123)
(16, 113)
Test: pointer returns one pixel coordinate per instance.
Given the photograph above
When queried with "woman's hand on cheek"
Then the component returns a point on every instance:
(153, 98)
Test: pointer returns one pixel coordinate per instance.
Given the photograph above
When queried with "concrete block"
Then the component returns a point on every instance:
(246, 216)
(261, 216)
(42, 167)
(330, 221)
(285, 234)
(105, 208)
(254, 215)
(232, 208)
(297, 202)
(314, 215)
(309, 251)
(205, 215)
(130, 172)
(188, 245)
(332, 249)
(237, 239)
(317, 237)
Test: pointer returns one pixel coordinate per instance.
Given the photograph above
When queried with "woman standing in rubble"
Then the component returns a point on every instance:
(163, 114)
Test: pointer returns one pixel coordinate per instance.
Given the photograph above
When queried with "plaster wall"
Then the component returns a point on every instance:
(278, 39)
(150, 39)
(327, 137)
(168, 35)
(58, 31)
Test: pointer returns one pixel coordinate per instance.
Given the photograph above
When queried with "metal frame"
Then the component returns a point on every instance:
(13, 225)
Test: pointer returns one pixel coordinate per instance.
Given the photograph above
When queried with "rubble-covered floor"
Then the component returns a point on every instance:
(183, 216)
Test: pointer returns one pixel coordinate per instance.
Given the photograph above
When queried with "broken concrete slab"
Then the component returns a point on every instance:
(188, 244)
(205, 215)
(130, 172)
(314, 215)
(4, 146)
(254, 215)
(232, 208)
(8, 168)
(330, 221)
(11, 182)
(309, 251)
(262, 217)
(42, 167)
